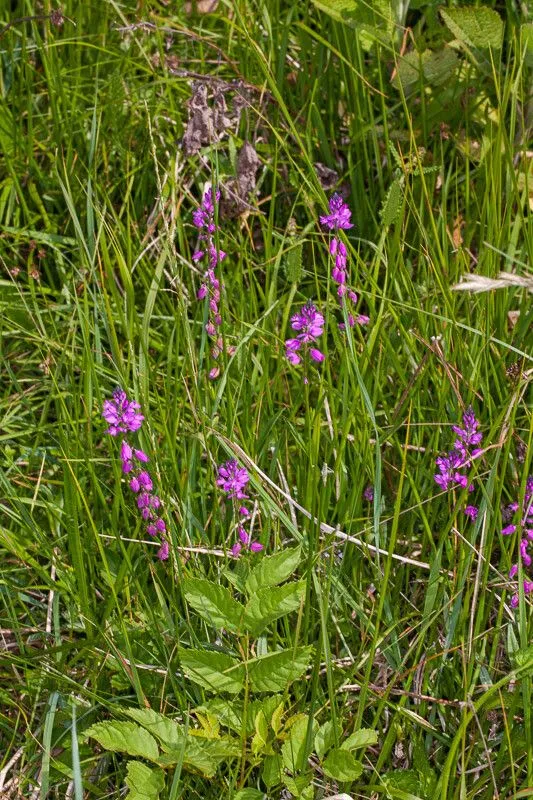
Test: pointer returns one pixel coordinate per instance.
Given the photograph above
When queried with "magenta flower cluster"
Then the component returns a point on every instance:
(233, 479)
(309, 324)
(123, 417)
(339, 218)
(453, 466)
(526, 524)
(204, 220)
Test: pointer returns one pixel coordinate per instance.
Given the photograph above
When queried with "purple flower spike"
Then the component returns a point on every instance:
(309, 321)
(339, 215)
(472, 512)
(121, 414)
(256, 547)
(232, 479)
(508, 530)
(368, 493)
(140, 455)
(163, 551)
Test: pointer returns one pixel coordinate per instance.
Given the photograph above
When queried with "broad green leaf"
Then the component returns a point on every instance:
(204, 755)
(267, 605)
(144, 782)
(361, 738)
(213, 670)
(475, 26)
(271, 773)
(229, 713)
(341, 765)
(274, 569)
(275, 671)
(249, 794)
(325, 737)
(340, 10)
(439, 65)
(293, 751)
(163, 728)
(124, 737)
(214, 603)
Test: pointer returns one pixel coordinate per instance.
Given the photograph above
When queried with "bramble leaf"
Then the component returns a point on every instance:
(144, 783)
(213, 670)
(475, 26)
(270, 604)
(274, 569)
(124, 737)
(275, 671)
(214, 603)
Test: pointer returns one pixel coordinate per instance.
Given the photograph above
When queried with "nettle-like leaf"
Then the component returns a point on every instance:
(249, 794)
(341, 765)
(478, 26)
(267, 605)
(273, 570)
(275, 671)
(214, 603)
(144, 783)
(434, 67)
(124, 737)
(166, 730)
(202, 755)
(219, 672)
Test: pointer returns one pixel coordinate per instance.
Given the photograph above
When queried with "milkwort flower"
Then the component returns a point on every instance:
(452, 466)
(123, 417)
(526, 524)
(339, 218)
(309, 324)
(232, 479)
(204, 220)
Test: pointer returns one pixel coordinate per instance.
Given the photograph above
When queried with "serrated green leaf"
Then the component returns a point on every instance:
(204, 755)
(124, 737)
(166, 730)
(361, 738)
(392, 204)
(249, 794)
(214, 603)
(274, 569)
(144, 783)
(475, 26)
(270, 604)
(439, 65)
(275, 671)
(213, 670)
(341, 765)
(325, 737)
